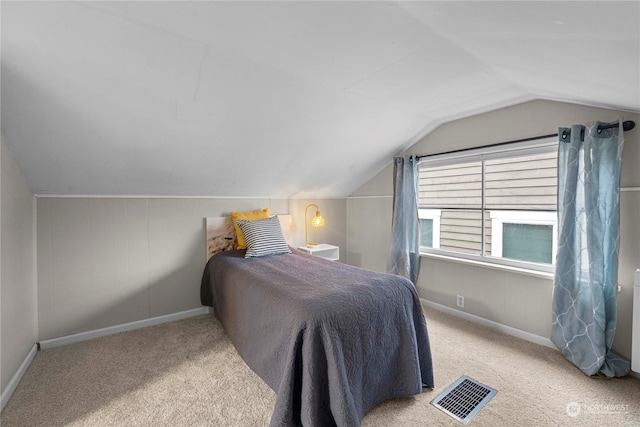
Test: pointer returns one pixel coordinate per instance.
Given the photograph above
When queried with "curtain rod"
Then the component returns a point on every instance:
(626, 126)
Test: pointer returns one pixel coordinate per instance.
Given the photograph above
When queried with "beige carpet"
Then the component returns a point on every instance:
(187, 373)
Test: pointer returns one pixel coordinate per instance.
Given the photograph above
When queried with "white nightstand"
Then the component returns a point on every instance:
(322, 250)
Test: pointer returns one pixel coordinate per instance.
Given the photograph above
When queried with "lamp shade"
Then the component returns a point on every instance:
(317, 220)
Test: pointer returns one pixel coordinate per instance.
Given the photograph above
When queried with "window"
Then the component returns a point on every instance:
(524, 235)
(429, 227)
(496, 203)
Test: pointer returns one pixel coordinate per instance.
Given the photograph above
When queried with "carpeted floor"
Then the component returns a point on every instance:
(187, 373)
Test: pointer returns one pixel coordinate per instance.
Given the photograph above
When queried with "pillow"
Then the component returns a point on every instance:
(263, 237)
(235, 216)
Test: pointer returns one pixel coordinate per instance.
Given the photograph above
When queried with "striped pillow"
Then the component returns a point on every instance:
(264, 237)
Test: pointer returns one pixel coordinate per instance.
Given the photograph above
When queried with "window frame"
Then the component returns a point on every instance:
(527, 147)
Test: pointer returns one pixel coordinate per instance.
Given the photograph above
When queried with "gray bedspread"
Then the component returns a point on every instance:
(330, 339)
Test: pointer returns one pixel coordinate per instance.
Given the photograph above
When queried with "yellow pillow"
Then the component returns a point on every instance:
(263, 214)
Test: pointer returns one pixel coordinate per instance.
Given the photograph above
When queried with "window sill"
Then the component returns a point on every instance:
(494, 266)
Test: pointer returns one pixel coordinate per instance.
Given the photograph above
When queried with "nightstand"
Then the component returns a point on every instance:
(322, 250)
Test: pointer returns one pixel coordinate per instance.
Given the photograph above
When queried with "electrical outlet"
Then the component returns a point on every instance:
(460, 301)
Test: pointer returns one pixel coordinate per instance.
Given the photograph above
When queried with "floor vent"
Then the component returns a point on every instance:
(464, 398)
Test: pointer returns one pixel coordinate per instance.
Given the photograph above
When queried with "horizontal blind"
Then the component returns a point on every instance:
(451, 186)
(523, 183)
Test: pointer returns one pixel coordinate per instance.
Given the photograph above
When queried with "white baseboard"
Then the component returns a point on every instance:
(15, 380)
(84, 336)
(537, 339)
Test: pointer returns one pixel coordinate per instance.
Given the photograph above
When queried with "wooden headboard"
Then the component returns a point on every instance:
(221, 235)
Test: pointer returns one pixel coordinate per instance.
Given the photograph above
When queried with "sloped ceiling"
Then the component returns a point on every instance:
(282, 99)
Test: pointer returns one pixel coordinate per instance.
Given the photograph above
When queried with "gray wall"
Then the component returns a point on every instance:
(516, 300)
(108, 261)
(19, 329)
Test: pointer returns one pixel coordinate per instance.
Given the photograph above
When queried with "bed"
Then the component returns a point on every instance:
(330, 339)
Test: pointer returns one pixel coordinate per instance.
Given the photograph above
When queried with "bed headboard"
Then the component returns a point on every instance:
(221, 235)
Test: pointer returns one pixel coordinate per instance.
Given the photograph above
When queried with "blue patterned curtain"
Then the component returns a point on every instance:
(404, 258)
(584, 298)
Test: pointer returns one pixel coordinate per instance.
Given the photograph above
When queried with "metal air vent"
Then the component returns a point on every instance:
(464, 398)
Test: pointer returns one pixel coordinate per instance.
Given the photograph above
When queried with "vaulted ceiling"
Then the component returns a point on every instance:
(282, 99)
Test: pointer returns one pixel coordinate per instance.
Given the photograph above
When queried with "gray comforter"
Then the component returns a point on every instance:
(330, 339)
